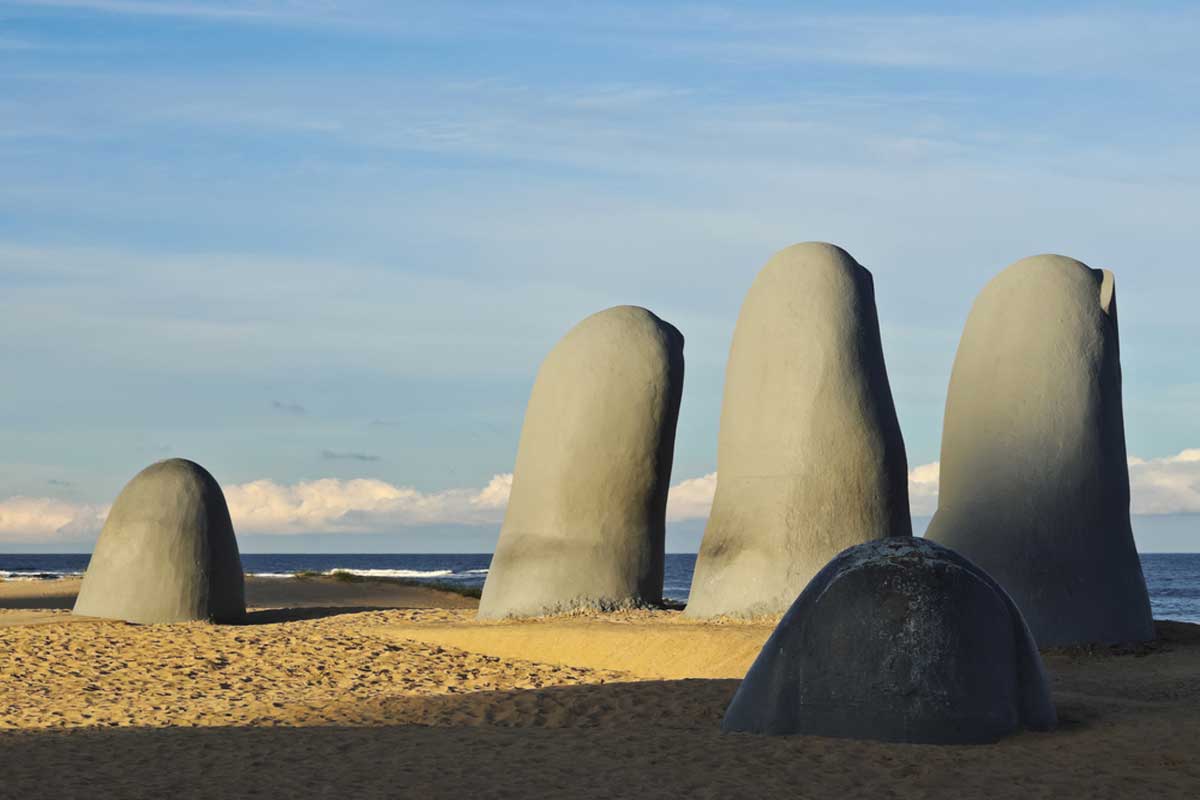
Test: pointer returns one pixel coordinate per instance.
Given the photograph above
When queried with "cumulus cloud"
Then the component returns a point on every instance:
(1169, 485)
(330, 505)
(495, 494)
(23, 518)
(691, 499)
(923, 489)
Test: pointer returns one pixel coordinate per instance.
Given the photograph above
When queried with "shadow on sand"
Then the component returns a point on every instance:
(274, 616)
(1130, 726)
(40, 602)
(645, 739)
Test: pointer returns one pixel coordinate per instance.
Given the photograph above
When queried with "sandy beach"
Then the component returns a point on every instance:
(375, 689)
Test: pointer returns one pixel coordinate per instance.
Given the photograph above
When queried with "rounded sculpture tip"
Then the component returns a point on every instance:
(816, 254)
(167, 552)
(897, 640)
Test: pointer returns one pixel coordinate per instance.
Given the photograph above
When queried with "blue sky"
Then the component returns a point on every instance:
(308, 243)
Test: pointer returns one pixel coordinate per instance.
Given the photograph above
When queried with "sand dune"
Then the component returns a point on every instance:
(330, 700)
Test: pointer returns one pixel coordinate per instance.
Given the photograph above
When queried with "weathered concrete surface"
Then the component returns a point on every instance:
(810, 456)
(1034, 477)
(167, 552)
(585, 523)
(897, 640)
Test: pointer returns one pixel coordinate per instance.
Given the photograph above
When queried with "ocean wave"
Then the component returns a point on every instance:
(396, 573)
(368, 573)
(39, 575)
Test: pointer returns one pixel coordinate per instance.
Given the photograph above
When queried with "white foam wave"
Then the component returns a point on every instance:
(37, 575)
(395, 573)
(368, 573)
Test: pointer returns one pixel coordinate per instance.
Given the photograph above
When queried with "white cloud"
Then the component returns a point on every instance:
(327, 505)
(691, 499)
(923, 489)
(330, 505)
(495, 494)
(41, 518)
(1169, 485)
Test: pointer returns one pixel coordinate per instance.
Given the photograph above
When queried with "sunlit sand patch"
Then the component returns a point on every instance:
(334, 669)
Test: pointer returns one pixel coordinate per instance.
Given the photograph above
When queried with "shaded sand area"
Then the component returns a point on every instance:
(372, 689)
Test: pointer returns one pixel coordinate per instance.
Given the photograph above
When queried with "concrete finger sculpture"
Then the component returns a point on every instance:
(167, 552)
(1034, 478)
(585, 523)
(897, 640)
(810, 458)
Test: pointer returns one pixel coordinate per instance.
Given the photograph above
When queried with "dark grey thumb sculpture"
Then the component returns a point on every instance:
(898, 640)
(167, 552)
(1034, 478)
(810, 458)
(585, 523)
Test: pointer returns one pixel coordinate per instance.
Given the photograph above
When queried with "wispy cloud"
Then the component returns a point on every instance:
(975, 42)
(1052, 40)
(218, 10)
(10, 44)
(338, 455)
(287, 407)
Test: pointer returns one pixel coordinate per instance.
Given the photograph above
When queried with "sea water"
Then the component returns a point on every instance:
(1172, 578)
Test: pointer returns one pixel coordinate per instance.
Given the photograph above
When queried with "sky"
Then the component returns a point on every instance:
(321, 248)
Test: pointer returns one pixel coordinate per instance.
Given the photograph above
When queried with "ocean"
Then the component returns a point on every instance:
(1172, 578)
